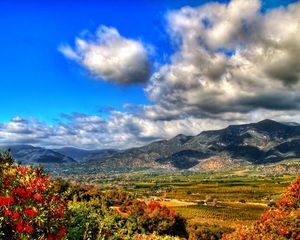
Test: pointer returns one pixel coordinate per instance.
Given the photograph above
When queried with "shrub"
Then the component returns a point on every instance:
(116, 197)
(29, 207)
(206, 231)
(154, 237)
(272, 204)
(154, 217)
(94, 220)
(280, 222)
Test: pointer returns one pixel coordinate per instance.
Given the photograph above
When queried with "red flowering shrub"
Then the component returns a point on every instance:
(154, 217)
(29, 208)
(280, 222)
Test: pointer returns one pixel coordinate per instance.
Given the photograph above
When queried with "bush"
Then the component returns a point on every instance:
(116, 197)
(207, 231)
(94, 220)
(29, 207)
(154, 217)
(154, 237)
(279, 223)
(272, 204)
(32, 207)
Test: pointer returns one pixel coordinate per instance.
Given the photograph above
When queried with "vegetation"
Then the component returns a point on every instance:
(207, 231)
(146, 206)
(279, 223)
(34, 207)
(29, 206)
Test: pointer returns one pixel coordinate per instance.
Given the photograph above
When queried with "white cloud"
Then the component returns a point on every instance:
(122, 130)
(231, 58)
(109, 56)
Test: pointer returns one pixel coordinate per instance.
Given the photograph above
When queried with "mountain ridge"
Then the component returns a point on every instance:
(253, 142)
(263, 142)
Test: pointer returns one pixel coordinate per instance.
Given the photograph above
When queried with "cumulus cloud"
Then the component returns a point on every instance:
(121, 130)
(109, 56)
(231, 58)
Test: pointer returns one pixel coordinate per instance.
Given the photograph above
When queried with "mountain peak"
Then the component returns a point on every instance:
(269, 125)
(179, 136)
(268, 121)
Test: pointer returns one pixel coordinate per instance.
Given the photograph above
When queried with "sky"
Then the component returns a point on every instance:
(119, 74)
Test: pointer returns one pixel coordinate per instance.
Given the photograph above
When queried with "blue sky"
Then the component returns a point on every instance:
(40, 81)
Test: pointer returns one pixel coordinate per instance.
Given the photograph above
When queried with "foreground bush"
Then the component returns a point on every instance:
(154, 217)
(207, 231)
(94, 220)
(29, 207)
(279, 223)
(154, 237)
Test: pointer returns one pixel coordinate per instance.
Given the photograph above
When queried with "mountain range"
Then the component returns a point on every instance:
(263, 142)
(27, 154)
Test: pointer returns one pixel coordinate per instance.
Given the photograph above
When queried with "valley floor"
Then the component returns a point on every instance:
(229, 198)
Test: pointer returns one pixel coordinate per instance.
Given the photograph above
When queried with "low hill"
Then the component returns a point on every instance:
(83, 155)
(30, 155)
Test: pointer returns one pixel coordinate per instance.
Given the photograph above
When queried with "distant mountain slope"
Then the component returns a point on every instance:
(263, 142)
(27, 154)
(82, 155)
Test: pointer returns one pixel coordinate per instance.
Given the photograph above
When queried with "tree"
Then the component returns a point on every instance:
(29, 207)
(279, 223)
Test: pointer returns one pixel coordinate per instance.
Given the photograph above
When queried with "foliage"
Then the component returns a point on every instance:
(154, 237)
(116, 197)
(207, 231)
(279, 223)
(154, 217)
(34, 207)
(94, 220)
(102, 217)
(29, 207)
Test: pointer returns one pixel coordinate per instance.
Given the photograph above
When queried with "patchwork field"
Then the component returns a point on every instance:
(226, 199)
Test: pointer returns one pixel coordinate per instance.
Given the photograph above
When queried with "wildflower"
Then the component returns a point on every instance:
(5, 201)
(28, 228)
(30, 212)
(15, 215)
(60, 211)
(19, 226)
(37, 197)
(19, 191)
(7, 212)
(284, 231)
